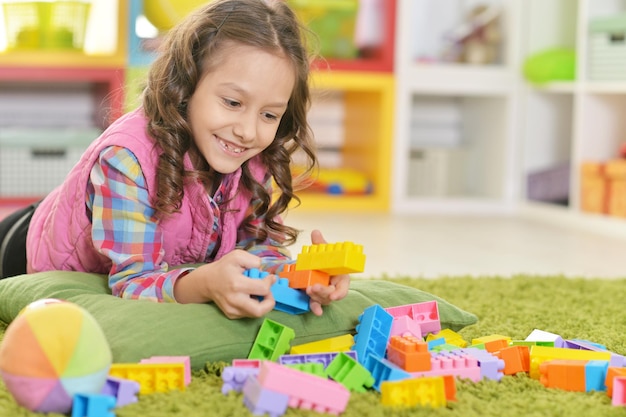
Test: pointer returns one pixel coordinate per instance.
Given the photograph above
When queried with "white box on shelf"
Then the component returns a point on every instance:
(607, 48)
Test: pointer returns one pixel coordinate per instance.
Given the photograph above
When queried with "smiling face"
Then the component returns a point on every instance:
(237, 106)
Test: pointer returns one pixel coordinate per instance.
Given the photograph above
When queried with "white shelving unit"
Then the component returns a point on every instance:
(462, 155)
(577, 121)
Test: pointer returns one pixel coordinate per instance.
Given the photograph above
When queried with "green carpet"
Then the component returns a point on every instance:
(573, 308)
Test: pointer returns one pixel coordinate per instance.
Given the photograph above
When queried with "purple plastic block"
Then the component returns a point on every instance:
(491, 367)
(616, 359)
(235, 377)
(260, 400)
(323, 358)
(93, 405)
(124, 390)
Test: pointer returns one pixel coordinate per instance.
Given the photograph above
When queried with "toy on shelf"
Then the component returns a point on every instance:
(52, 351)
(338, 181)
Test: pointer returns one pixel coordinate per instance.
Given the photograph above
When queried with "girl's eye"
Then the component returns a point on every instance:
(231, 103)
(270, 116)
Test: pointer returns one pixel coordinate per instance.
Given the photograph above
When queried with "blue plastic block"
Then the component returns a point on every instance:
(436, 342)
(384, 370)
(595, 375)
(288, 300)
(373, 333)
(93, 405)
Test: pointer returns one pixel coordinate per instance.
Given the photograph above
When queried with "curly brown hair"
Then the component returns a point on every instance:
(186, 56)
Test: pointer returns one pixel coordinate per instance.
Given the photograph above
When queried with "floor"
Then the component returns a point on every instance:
(433, 246)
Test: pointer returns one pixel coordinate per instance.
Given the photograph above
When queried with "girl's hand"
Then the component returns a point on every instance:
(322, 295)
(224, 283)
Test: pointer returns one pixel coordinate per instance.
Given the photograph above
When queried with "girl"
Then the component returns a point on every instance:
(188, 177)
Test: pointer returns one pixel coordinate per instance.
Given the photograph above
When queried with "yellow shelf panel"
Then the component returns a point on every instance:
(326, 202)
(369, 113)
(57, 59)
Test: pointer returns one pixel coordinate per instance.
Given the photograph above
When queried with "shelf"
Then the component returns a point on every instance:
(369, 103)
(461, 79)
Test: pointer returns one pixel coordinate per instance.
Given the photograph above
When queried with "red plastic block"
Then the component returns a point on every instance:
(304, 279)
(305, 391)
(409, 353)
(516, 359)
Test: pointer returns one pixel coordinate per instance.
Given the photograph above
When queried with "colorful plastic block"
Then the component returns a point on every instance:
(516, 359)
(539, 354)
(449, 336)
(332, 344)
(405, 325)
(618, 391)
(616, 359)
(310, 368)
(124, 390)
(325, 358)
(409, 353)
(173, 359)
(93, 405)
(152, 377)
(612, 373)
(383, 370)
(425, 391)
(574, 375)
(373, 332)
(350, 373)
(304, 279)
(288, 300)
(246, 363)
(260, 400)
(305, 391)
(333, 258)
(425, 313)
(272, 340)
(543, 336)
(491, 367)
(492, 343)
(455, 363)
(235, 377)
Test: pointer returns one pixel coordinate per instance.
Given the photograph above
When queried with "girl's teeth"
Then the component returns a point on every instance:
(231, 148)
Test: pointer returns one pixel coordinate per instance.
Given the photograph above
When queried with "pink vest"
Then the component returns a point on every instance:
(59, 237)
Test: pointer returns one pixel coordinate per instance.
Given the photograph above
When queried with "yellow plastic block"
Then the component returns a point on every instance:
(490, 338)
(450, 336)
(423, 391)
(333, 258)
(152, 377)
(540, 354)
(342, 343)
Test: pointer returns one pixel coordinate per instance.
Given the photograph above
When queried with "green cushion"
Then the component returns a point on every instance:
(140, 329)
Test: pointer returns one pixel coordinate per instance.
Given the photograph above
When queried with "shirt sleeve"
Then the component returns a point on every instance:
(273, 254)
(125, 229)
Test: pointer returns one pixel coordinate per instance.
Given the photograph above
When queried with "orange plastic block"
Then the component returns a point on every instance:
(409, 353)
(333, 258)
(492, 343)
(540, 354)
(342, 343)
(516, 359)
(152, 377)
(565, 374)
(304, 279)
(612, 373)
(422, 391)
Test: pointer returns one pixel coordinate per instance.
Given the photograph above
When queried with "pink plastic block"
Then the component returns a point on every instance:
(305, 391)
(426, 314)
(619, 391)
(173, 359)
(404, 325)
(462, 366)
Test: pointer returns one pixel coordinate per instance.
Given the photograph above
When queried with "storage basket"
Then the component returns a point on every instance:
(607, 48)
(333, 22)
(45, 24)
